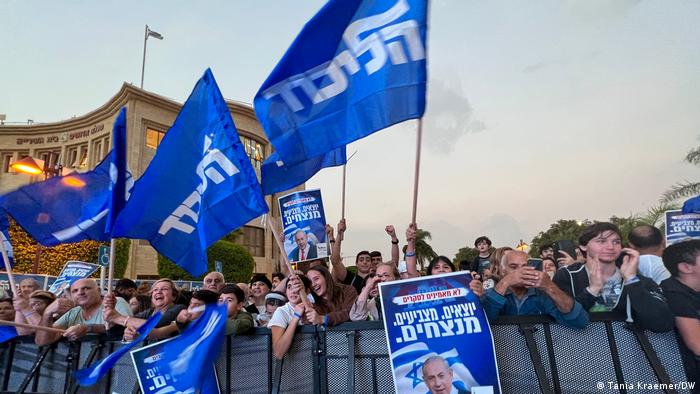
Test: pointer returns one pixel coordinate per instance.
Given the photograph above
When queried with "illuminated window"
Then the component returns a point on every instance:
(153, 138)
(255, 151)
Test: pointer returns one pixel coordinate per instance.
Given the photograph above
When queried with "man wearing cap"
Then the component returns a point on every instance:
(125, 288)
(273, 300)
(214, 281)
(259, 287)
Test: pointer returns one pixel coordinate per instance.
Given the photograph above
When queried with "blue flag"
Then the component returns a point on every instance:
(358, 66)
(90, 375)
(199, 186)
(5, 239)
(186, 362)
(692, 205)
(74, 207)
(277, 177)
(7, 333)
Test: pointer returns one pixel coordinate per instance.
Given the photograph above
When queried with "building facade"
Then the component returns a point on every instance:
(82, 142)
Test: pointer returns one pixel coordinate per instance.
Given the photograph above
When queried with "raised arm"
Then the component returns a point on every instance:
(394, 244)
(411, 262)
(339, 270)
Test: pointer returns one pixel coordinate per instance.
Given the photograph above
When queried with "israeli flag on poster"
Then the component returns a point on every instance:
(184, 364)
(358, 66)
(199, 186)
(277, 177)
(77, 206)
(5, 239)
(438, 335)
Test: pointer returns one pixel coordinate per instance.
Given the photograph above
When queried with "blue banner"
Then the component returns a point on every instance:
(199, 186)
(277, 177)
(90, 375)
(438, 335)
(304, 223)
(78, 206)
(356, 67)
(7, 333)
(5, 239)
(680, 226)
(184, 363)
(71, 273)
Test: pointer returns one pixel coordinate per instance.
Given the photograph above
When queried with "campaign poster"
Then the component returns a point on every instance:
(5, 282)
(304, 224)
(681, 226)
(439, 338)
(71, 272)
(150, 378)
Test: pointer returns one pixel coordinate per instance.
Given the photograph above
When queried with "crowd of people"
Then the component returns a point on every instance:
(656, 287)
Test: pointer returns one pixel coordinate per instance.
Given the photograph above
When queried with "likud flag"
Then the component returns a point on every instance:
(74, 207)
(277, 177)
(5, 238)
(199, 186)
(90, 375)
(185, 362)
(692, 205)
(358, 66)
(7, 333)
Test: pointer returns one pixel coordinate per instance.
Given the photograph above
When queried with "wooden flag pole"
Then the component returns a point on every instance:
(419, 135)
(110, 275)
(275, 234)
(22, 325)
(8, 268)
(342, 212)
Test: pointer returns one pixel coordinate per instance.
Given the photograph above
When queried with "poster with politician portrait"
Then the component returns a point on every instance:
(438, 335)
(304, 223)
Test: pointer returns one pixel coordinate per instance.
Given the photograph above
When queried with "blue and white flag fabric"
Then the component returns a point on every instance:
(277, 177)
(681, 226)
(199, 186)
(7, 333)
(184, 364)
(5, 239)
(74, 207)
(90, 375)
(358, 66)
(438, 335)
(692, 205)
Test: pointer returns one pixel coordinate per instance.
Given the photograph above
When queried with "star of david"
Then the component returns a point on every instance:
(413, 374)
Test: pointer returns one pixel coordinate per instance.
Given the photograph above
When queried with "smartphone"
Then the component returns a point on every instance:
(566, 246)
(535, 263)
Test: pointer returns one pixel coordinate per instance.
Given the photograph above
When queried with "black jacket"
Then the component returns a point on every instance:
(648, 305)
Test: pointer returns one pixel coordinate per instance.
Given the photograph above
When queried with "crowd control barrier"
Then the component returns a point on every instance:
(534, 355)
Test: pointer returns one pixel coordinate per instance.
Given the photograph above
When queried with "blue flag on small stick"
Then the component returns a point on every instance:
(7, 333)
(358, 66)
(199, 186)
(90, 375)
(277, 177)
(78, 206)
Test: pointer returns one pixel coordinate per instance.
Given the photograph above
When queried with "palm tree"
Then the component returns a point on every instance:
(684, 189)
(424, 252)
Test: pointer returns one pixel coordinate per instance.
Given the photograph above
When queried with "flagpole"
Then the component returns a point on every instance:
(419, 135)
(110, 275)
(33, 327)
(342, 214)
(302, 292)
(8, 268)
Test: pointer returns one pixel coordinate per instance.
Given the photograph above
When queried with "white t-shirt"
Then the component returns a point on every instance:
(653, 268)
(282, 316)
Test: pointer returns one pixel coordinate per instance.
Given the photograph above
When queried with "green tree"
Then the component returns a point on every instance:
(626, 225)
(684, 189)
(466, 253)
(424, 252)
(238, 263)
(562, 229)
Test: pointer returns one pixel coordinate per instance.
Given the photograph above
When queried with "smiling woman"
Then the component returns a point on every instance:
(163, 295)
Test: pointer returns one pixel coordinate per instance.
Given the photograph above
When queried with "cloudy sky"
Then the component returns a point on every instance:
(537, 110)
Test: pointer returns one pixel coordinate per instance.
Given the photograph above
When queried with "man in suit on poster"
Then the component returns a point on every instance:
(304, 250)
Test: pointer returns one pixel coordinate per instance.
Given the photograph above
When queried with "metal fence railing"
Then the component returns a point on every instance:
(534, 356)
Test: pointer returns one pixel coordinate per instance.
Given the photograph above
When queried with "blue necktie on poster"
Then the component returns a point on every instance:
(90, 375)
(356, 67)
(184, 364)
(277, 177)
(78, 206)
(199, 186)
(5, 238)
